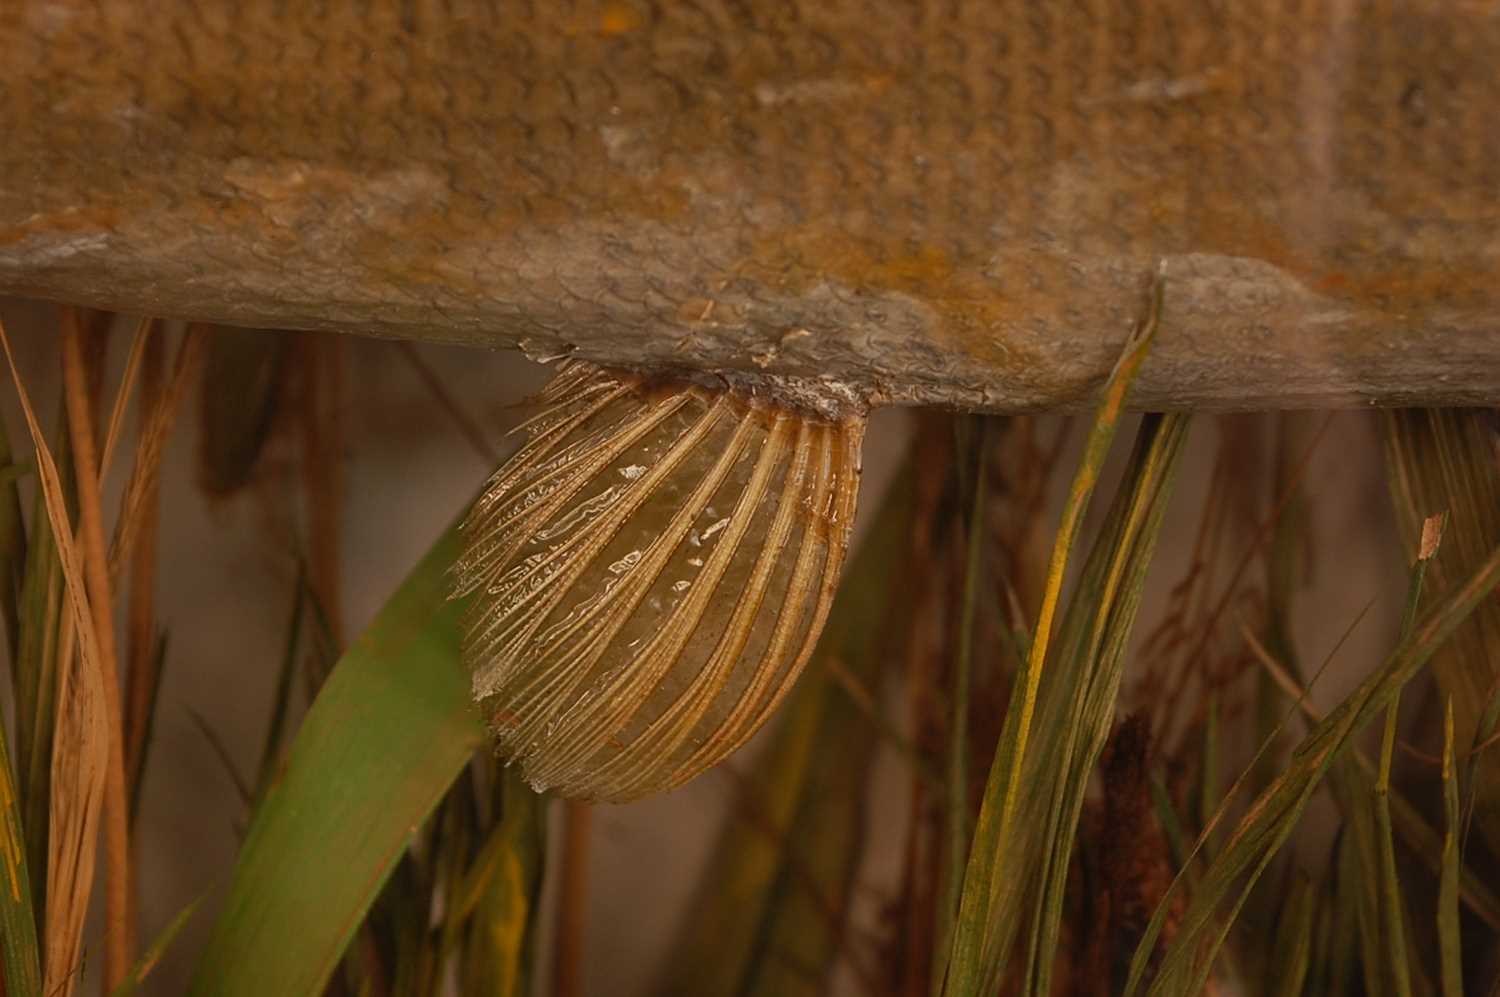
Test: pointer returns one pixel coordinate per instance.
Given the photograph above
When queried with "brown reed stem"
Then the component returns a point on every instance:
(572, 901)
(117, 931)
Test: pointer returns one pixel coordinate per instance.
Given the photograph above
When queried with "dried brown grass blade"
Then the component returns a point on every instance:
(117, 929)
(143, 335)
(141, 645)
(80, 752)
(144, 475)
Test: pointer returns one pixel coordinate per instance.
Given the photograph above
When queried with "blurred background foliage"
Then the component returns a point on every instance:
(1065, 733)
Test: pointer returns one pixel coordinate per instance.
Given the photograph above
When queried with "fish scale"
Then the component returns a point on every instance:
(934, 202)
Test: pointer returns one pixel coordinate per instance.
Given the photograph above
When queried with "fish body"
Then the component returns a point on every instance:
(935, 202)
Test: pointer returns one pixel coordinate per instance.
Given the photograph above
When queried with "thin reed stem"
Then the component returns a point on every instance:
(322, 471)
(572, 901)
(140, 674)
(117, 932)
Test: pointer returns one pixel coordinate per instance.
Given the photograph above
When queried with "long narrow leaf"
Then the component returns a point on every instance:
(35, 677)
(1078, 710)
(1391, 906)
(957, 788)
(1444, 460)
(1294, 939)
(12, 547)
(79, 750)
(133, 980)
(981, 941)
(504, 895)
(391, 729)
(1274, 813)
(1408, 821)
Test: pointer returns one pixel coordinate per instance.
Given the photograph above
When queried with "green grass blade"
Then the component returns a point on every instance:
(1294, 939)
(1392, 904)
(1450, 959)
(270, 752)
(148, 960)
(35, 676)
(1273, 814)
(1166, 816)
(1078, 705)
(1392, 936)
(12, 546)
(391, 729)
(981, 940)
(1444, 460)
(1424, 842)
(956, 791)
(505, 884)
(1355, 800)
(1344, 933)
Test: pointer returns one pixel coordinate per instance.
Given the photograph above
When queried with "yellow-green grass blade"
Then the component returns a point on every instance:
(1391, 905)
(391, 729)
(987, 926)
(1423, 841)
(1273, 814)
(270, 752)
(763, 904)
(1343, 948)
(499, 895)
(1353, 795)
(1077, 708)
(1369, 832)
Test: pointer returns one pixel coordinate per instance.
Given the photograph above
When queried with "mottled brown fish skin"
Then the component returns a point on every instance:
(951, 203)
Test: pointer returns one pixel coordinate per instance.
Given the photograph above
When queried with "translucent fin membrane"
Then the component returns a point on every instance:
(651, 572)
